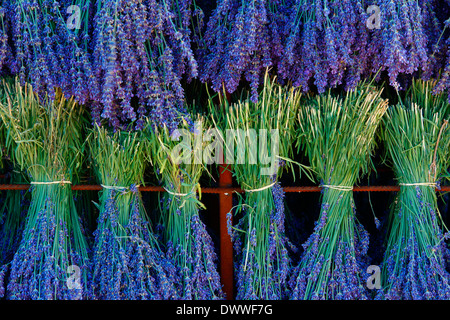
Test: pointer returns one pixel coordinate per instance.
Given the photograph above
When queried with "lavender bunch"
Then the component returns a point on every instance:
(402, 40)
(326, 45)
(417, 138)
(337, 133)
(262, 260)
(52, 47)
(241, 40)
(141, 51)
(44, 141)
(188, 242)
(128, 262)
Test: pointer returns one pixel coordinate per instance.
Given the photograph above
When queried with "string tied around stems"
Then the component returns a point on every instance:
(426, 184)
(133, 188)
(260, 189)
(185, 196)
(50, 182)
(337, 187)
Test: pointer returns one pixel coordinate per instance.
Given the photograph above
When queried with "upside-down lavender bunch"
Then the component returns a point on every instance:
(326, 44)
(44, 141)
(263, 138)
(141, 53)
(402, 40)
(127, 260)
(51, 42)
(417, 137)
(241, 40)
(188, 242)
(337, 134)
(7, 61)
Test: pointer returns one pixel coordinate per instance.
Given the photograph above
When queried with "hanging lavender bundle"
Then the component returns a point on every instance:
(262, 140)
(402, 40)
(52, 47)
(127, 260)
(337, 134)
(141, 52)
(417, 137)
(188, 242)
(326, 44)
(242, 39)
(44, 140)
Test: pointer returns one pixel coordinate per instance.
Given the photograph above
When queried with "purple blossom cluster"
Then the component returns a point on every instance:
(129, 59)
(37, 271)
(193, 252)
(6, 55)
(140, 51)
(127, 261)
(327, 44)
(12, 223)
(403, 43)
(125, 59)
(416, 257)
(333, 269)
(318, 44)
(48, 53)
(241, 40)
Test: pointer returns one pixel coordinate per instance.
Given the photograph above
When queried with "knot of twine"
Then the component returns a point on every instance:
(178, 194)
(50, 182)
(260, 189)
(337, 187)
(123, 190)
(426, 184)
